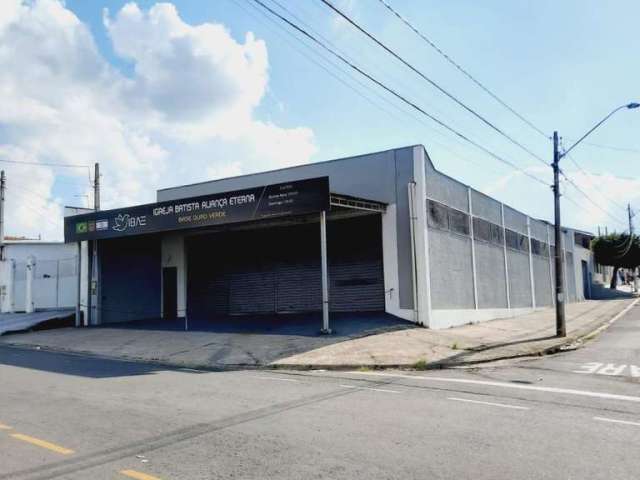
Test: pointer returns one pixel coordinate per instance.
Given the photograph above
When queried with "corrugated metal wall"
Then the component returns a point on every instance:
(130, 278)
(277, 270)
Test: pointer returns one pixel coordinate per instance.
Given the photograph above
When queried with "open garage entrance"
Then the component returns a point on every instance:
(277, 270)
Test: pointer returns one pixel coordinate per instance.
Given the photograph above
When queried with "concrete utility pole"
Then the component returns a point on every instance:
(631, 214)
(561, 330)
(2, 188)
(96, 187)
(93, 261)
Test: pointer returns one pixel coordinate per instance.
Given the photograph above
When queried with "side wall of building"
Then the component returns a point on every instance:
(488, 260)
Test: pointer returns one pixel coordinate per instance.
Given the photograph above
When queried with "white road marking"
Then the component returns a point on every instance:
(589, 368)
(515, 386)
(276, 378)
(611, 369)
(613, 420)
(502, 405)
(370, 388)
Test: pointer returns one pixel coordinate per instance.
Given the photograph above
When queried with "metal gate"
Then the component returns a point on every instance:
(277, 270)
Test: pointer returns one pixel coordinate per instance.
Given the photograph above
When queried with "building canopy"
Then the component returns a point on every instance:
(278, 200)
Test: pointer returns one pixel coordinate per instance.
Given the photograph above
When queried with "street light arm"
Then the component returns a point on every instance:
(630, 105)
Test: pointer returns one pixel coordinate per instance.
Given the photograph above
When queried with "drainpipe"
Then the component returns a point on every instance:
(411, 187)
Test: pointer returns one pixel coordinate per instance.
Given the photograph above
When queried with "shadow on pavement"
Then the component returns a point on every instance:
(73, 364)
(222, 343)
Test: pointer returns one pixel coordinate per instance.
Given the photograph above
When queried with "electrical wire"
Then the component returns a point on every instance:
(430, 81)
(410, 114)
(587, 176)
(461, 69)
(395, 93)
(593, 202)
(45, 164)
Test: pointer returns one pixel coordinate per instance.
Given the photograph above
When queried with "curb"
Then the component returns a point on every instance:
(565, 344)
(569, 343)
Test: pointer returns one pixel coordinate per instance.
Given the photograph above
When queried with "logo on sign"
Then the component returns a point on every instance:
(81, 227)
(125, 221)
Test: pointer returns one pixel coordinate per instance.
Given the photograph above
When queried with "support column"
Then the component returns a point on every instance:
(79, 286)
(325, 273)
(473, 251)
(29, 306)
(506, 263)
(531, 278)
(421, 231)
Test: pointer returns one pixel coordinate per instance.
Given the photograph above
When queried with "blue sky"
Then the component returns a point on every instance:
(562, 65)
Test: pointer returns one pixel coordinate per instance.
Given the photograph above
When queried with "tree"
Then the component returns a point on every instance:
(618, 250)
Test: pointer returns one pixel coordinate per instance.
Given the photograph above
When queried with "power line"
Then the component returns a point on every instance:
(430, 81)
(410, 114)
(587, 176)
(610, 147)
(394, 93)
(585, 195)
(462, 70)
(45, 164)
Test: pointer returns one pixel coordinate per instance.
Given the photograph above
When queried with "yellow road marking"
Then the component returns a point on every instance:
(42, 443)
(138, 475)
(5, 427)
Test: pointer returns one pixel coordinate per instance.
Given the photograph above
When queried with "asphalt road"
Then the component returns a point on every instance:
(570, 416)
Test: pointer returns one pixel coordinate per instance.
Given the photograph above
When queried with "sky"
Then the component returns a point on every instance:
(164, 94)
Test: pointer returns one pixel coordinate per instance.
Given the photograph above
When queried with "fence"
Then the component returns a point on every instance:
(54, 284)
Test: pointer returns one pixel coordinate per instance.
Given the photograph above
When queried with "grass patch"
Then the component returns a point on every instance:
(364, 368)
(420, 364)
(454, 346)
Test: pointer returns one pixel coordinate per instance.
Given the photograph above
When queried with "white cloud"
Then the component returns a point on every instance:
(609, 195)
(189, 102)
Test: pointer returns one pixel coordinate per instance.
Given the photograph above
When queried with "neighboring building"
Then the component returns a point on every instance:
(401, 237)
(36, 275)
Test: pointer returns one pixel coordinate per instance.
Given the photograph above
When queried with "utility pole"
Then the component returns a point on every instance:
(92, 270)
(2, 187)
(561, 329)
(96, 187)
(631, 214)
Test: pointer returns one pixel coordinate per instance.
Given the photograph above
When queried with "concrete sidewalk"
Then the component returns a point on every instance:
(527, 335)
(359, 342)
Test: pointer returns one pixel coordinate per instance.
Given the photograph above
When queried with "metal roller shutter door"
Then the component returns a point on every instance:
(277, 270)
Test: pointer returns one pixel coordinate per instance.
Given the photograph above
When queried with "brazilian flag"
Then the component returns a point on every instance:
(81, 227)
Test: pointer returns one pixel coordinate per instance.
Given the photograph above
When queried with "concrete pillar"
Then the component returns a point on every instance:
(29, 306)
(473, 251)
(7, 276)
(421, 238)
(506, 262)
(325, 273)
(531, 278)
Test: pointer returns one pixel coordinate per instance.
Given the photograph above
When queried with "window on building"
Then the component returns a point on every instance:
(536, 247)
(497, 236)
(523, 243)
(458, 222)
(437, 215)
(511, 239)
(481, 229)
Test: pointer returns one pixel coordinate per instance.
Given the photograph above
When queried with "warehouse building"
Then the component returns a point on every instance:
(381, 232)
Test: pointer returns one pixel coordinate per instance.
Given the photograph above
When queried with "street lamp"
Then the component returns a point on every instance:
(561, 329)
